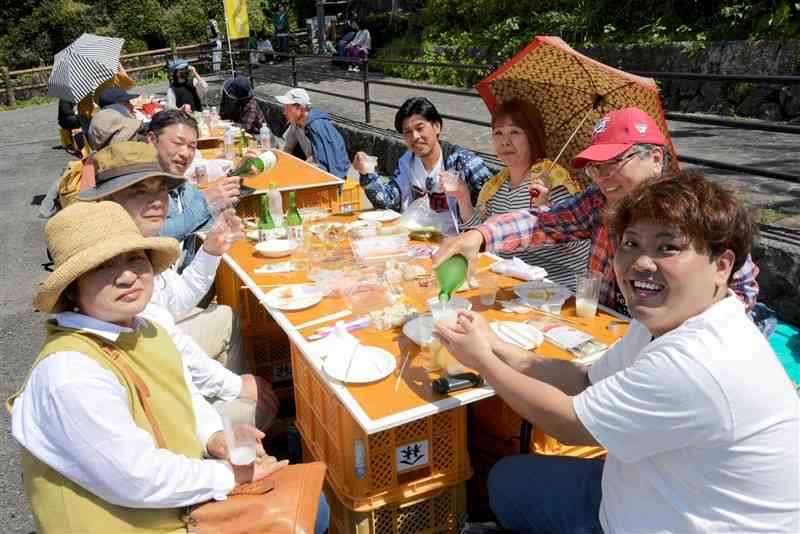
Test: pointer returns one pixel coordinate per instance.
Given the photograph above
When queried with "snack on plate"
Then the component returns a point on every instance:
(392, 316)
(286, 293)
(539, 294)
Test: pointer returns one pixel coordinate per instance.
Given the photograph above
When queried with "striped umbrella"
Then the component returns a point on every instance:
(84, 65)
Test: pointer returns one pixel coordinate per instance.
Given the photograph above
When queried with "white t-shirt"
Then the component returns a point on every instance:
(701, 427)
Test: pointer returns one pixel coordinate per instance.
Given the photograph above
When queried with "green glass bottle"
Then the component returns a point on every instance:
(294, 223)
(242, 142)
(450, 275)
(265, 221)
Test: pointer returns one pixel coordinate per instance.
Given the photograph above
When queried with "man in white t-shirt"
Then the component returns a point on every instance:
(699, 418)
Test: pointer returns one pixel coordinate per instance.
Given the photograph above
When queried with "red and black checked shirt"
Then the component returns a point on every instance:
(581, 217)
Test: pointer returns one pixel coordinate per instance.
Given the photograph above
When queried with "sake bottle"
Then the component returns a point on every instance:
(254, 165)
(450, 275)
(265, 221)
(275, 203)
(294, 223)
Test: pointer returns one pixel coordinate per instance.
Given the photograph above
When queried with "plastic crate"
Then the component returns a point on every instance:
(432, 513)
(350, 197)
(326, 197)
(269, 357)
(495, 429)
(253, 317)
(369, 471)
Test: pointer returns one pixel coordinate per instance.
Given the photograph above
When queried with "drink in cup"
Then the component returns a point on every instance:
(201, 174)
(238, 420)
(487, 289)
(449, 181)
(370, 163)
(587, 294)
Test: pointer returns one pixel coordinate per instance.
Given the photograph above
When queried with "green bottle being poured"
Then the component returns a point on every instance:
(265, 221)
(450, 275)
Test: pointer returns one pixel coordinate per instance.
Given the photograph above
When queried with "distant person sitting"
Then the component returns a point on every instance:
(359, 46)
(68, 121)
(118, 100)
(238, 104)
(417, 173)
(328, 150)
(186, 87)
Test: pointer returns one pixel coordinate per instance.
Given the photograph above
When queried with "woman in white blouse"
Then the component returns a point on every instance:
(109, 419)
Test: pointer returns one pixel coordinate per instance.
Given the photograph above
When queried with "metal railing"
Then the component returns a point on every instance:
(368, 102)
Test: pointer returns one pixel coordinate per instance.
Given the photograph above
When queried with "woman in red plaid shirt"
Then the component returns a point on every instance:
(627, 149)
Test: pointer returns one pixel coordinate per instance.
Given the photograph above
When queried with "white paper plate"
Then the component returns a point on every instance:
(303, 296)
(522, 335)
(411, 328)
(276, 248)
(369, 364)
(379, 216)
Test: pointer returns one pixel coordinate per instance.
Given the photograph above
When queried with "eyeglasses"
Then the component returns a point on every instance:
(604, 168)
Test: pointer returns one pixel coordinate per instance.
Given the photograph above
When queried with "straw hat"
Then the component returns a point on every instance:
(121, 165)
(86, 234)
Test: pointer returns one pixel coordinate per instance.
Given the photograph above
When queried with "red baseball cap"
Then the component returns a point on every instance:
(617, 132)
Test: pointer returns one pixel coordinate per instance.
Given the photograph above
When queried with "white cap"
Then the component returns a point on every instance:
(295, 96)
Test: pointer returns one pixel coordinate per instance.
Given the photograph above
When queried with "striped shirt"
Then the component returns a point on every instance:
(562, 261)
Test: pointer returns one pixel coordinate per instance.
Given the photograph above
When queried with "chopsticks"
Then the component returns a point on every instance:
(402, 369)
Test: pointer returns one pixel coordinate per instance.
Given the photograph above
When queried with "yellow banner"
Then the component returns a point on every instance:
(237, 20)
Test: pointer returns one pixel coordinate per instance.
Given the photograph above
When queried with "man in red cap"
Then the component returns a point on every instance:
(627, 149)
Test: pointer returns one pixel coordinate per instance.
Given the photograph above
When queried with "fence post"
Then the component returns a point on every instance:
(9, 91)
(365, 79)
(174, 50)
(294, 71)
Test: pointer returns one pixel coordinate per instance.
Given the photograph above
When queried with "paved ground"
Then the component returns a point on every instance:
(29, 162)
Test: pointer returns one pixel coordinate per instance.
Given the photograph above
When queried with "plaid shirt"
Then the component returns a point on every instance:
(252, 117)
(581, 217)
(388, 194)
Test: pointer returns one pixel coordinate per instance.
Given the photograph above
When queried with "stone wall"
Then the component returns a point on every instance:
(770, 102)
(779, 260)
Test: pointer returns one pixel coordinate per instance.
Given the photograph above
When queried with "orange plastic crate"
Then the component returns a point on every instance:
(326, 197)
(269, 357)
(253, 317)
(367, 471)
(433, 513)
(350, 197)
(495, 429)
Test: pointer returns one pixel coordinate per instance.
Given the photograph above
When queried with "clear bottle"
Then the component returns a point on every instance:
(229, 144)
(294, 223)
(265, 137)
(275, 203)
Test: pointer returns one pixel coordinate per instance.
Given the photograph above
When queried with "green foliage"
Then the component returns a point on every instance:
(33, 101)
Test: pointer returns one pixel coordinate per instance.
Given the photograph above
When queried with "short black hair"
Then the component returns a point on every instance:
(418, 105)
(169, 117)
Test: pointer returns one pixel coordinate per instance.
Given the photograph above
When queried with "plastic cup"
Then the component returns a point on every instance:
(445, 314)
(587, 294)
(239, 420)
(487, 291)
(370, 163)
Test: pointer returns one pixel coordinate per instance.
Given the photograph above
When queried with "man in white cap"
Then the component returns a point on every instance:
(327, 147)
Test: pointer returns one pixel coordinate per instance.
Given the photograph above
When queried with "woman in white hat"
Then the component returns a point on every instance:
(107, 416)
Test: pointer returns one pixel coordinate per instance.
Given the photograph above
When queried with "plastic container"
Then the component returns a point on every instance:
(379, 249)
(363, 469)
(435, 512)
(364, 293)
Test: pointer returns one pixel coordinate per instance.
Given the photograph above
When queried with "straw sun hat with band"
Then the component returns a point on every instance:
(85, 235)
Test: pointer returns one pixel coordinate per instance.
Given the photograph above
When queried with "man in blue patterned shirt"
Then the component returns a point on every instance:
(418, 170)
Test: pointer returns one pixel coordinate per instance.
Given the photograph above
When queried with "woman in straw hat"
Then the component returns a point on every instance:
(107, 417)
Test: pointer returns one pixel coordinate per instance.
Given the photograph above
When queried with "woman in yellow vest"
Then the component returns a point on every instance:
(106, 417)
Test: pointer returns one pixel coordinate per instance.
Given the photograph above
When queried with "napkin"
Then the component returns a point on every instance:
(516, 268)
(282, 267)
